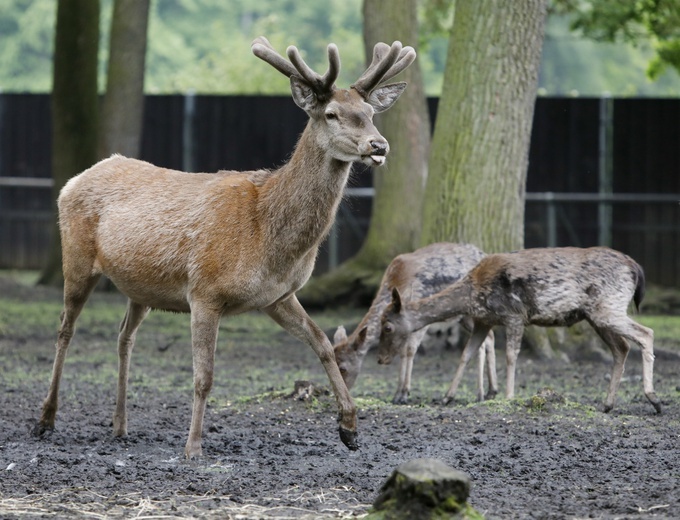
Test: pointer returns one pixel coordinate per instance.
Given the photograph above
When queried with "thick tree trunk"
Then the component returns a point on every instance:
(123, 106)
(477, 182)
(476, 187)
(396, 213)
(74, 106)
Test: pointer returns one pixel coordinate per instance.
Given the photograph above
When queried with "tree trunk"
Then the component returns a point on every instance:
(476, 187)
(399, 185)
(123, 106)
(74, 106)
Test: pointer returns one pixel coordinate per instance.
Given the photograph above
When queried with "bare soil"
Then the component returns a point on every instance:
(267, 455)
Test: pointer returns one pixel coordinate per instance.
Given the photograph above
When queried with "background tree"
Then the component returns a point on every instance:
(123, 105)
(477, 181)
(74, 105)
(81, 135)
(476, 186)
(399, 186)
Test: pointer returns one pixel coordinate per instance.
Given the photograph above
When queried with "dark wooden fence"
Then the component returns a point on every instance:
(600, 171)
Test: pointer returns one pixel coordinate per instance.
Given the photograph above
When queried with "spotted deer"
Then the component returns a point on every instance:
(214, 245)
(545, 287)
(421, 273)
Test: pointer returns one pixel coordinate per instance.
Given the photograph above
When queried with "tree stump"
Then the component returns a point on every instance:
(423, 489)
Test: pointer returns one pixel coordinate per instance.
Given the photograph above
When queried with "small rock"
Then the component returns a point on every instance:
(306, 390)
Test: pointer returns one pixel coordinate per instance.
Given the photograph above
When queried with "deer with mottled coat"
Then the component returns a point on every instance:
(544, 287)
(214, 245)
(418, 274)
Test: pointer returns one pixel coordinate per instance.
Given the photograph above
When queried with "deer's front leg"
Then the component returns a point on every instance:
(472, 347)
(292, 317)
(513, 332)
(204, 326)
(406, 368)
(490, 346)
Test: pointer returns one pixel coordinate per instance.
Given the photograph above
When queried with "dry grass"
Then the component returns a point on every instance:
(84, 503)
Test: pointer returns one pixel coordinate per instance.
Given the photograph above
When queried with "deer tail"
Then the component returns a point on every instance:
(639, 294)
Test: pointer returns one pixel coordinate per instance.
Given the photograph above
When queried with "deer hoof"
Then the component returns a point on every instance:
(349, 438)
(400, 399)
(491, 394)
(42, 428)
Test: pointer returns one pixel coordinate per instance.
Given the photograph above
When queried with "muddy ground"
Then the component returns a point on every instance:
(267, 455)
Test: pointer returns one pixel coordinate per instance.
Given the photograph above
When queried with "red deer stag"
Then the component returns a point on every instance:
(221, 244)
(546, 287)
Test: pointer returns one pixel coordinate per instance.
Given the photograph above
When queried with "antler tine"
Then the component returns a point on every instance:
(321, 85)
(333, 67)
(406, 57)
(380, 65)
(264, 50)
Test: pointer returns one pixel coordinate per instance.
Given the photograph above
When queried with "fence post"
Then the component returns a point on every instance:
(604, 171)
(188, 131)
(551, 217)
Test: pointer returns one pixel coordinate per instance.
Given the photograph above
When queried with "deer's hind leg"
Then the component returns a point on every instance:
(134, 315)
(617, 335)
(77, 289)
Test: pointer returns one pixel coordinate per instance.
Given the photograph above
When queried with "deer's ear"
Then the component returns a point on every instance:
(303, 95)
(361, 337)
(383, 97)
(396, 300)
(340, 335)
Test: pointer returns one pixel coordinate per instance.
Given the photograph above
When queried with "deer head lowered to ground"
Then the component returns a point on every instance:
(222, 244)
(421, 273)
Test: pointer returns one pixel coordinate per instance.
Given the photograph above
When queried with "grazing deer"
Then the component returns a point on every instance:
(421, 273)
(221, 244)
(545, 287)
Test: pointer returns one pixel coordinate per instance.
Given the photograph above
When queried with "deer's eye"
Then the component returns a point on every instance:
(331, 115)
(388, 328)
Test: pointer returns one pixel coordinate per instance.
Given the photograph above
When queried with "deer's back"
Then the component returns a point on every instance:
(424, 272)
(555, 286)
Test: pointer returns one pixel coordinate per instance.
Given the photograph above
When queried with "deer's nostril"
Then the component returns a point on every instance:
(379, 146)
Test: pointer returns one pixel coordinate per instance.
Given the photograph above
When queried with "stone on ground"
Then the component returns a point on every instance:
(424, 489)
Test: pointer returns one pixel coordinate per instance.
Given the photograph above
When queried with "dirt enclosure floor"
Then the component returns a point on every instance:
(267, 455)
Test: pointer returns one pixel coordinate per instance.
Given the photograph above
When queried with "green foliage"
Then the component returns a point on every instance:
(573, 64)
(27, 30)
(666, 328)
(638, 22)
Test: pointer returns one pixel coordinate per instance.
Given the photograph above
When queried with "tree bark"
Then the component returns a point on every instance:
(399, 185)
(123, 105)
(476, 188)
(74, 106)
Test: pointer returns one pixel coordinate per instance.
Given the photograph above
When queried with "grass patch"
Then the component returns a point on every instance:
(666, 328)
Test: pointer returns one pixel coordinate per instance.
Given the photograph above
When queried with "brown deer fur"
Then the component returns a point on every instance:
(421, 273)
(226, 243)
(545, 287)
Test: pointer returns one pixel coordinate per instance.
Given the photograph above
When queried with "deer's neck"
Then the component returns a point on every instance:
(300, 201)
(371, 319)
(442, 306)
